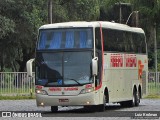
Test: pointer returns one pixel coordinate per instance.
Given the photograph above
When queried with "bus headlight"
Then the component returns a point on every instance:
(43, 92)
(87, 90)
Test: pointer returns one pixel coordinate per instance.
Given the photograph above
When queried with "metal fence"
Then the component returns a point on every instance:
(154, 83)
(18, 83)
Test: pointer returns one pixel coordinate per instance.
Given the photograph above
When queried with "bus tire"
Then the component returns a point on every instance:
(90, 108)
(124, 104)
(134, 100)
(137, 99)
(101, 107)
(54, 109)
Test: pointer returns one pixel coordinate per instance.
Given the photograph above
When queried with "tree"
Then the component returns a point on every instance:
(7, 26)
(25, 17)
(107, 12)
(149, 12)
(149, 17)
(75, 10)
(20, 20)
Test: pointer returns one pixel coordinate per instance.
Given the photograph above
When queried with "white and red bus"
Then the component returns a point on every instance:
(90, 64)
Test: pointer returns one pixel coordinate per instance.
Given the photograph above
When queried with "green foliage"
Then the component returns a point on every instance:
(20, 20)
(149, 8)
(75, 10)
(149, 16)
(7, 26)
(20, 32)
(18, 97)
(154, 96)
(87, 9)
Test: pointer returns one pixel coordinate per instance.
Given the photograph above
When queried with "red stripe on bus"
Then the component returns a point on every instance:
(102, 41)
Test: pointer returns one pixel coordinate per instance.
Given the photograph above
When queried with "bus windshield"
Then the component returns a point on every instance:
(65, 38)
(63, 68)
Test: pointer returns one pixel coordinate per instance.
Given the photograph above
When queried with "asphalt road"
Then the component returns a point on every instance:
(147, 107)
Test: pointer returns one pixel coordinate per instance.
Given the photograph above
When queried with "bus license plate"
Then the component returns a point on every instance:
(63, 100)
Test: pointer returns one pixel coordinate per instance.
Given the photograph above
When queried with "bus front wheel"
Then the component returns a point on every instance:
(97, 108)
(101, 107)
(54, 108)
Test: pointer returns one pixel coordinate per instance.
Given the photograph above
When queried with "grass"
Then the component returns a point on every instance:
(153, 90)
(18, 97)
(12, 93)
(153, 96)
(11, 89)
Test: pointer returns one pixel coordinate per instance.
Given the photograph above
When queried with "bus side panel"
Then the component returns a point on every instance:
(121, 76)
(107, 79)
(143, 73)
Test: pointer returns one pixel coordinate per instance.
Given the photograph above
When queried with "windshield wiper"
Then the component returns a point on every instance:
(75, 81)
(47, 83)
(51, 81)
(68, 79)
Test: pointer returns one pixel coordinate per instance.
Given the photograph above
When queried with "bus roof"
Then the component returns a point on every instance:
(104, 24)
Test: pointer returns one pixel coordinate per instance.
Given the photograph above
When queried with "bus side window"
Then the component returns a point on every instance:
(120, 41)
(105, 38)
(139, 42)
(98, 38)
(136, 42)
(143, 45)
(98, 54)
(109, 40)
(129, 43)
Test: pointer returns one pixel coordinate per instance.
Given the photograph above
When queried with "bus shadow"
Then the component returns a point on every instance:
(108, 108)
(110, 111)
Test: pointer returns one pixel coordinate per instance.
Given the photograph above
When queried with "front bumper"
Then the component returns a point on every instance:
(81, 99)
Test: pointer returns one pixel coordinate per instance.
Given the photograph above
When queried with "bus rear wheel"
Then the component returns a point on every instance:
(135, 100)
(54, 109)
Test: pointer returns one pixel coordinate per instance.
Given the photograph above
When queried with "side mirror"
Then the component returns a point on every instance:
(29, 67)
(95, 66)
